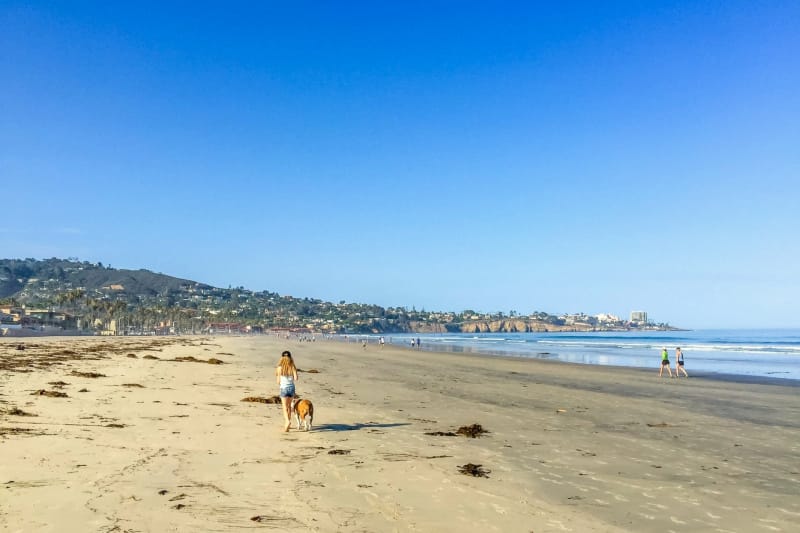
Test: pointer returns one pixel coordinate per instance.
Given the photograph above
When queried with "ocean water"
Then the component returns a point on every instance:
(767, 353)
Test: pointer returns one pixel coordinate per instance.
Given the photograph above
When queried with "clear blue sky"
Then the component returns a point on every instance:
(554, 156)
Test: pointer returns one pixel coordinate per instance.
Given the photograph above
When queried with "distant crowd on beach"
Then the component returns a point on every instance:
(416, 343)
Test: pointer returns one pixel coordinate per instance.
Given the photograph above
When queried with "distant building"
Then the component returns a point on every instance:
(639, 316)
(10, 314)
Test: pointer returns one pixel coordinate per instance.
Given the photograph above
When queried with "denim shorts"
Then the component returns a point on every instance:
(287, 392)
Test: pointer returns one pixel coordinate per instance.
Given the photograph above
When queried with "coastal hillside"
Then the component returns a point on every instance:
(85, 295)
(29, 279)
(93, 297)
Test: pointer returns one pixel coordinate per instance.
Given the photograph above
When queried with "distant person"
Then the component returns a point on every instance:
(679, 364)
(286, 375)
(412, 342)
(381, 342)
(419, 344)
(664, 363)
(364, 343)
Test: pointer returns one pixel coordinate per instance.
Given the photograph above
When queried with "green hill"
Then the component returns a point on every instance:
(24, 279)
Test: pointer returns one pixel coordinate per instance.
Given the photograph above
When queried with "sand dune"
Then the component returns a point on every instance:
(151, 437)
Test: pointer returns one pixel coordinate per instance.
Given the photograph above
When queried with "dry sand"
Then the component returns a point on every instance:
(163, 445)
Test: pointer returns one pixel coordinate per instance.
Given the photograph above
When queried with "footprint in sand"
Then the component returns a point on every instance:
(558, 524)
(498, 509)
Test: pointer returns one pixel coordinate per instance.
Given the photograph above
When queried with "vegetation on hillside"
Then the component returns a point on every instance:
(141, 301)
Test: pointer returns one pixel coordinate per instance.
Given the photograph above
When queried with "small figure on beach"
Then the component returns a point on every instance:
(285, 376)
(364, 343)
(381, 341)
(679, 364)
(412, 343)
(419, 344)
(664, 362)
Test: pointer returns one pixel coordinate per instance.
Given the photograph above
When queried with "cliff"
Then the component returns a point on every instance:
(502, 326)
(514, 326)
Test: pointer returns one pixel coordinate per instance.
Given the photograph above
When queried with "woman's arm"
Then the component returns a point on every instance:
(278, 375)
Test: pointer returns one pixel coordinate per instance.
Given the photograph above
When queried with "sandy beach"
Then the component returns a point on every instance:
(144, 434)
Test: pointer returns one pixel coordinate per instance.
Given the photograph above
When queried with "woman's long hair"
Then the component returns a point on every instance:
(286, 364)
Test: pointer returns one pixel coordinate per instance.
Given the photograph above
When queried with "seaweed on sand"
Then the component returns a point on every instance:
(51, 393)
(192, 359)
(475, 430)
(259, 399)
(16, 411)
(473, 470)
(88, 374)
(339, 452)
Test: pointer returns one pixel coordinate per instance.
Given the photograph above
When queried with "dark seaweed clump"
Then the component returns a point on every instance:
(470, 469)
(339, 452)
(475, 430)
(259, 399)
(51, 393)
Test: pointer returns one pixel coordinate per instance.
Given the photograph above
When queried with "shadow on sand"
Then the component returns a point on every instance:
(356, 427)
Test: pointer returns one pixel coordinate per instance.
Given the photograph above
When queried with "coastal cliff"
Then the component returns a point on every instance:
(503, 326)
(516, 326)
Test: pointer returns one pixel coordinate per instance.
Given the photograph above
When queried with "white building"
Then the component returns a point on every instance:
(639, 316)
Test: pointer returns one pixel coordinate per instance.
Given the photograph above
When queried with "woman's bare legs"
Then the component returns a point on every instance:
(286, 403)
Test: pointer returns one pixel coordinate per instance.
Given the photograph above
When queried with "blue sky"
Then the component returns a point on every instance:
(561, 157)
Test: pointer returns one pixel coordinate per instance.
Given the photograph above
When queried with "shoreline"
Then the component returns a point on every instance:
(708, 375)
(715, 376)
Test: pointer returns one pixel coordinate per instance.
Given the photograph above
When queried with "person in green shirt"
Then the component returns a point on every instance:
(664, 363)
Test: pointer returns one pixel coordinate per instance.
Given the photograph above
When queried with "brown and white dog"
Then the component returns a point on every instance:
(303, 411)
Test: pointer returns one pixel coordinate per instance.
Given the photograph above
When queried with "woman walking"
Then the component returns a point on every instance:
(679, 364)
(665, 363)
(285, 376)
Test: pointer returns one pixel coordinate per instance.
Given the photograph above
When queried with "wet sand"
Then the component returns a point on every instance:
(152, 437)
